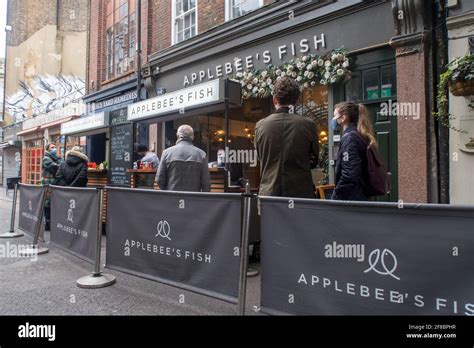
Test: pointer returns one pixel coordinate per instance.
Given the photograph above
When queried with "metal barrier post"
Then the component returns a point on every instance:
(244, 249)
(97, 279)
(12, 233)
(35, 249)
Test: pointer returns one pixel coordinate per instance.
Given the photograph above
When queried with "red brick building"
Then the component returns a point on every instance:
(189, 42)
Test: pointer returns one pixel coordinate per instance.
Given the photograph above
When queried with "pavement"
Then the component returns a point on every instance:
(47, 286)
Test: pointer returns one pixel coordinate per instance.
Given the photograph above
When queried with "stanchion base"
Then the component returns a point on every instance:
(12, 235)
(252, 272)
(93, 281)
(33, 251)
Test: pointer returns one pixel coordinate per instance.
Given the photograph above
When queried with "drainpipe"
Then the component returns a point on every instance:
(139, 49)
(441, 58)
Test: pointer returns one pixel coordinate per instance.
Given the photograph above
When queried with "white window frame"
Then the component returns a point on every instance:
(173, 21)
(228, 9)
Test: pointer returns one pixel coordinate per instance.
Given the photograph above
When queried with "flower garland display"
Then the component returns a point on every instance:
(309, 70)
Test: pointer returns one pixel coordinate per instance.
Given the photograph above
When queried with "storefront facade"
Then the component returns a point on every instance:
(277, 35)
(38, 132)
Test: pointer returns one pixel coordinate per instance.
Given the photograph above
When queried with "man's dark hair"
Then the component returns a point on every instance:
(142, 148)
(286, 91)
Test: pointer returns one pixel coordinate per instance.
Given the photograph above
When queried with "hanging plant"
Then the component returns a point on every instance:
(457, 70)
(461, 77)
(309, 70)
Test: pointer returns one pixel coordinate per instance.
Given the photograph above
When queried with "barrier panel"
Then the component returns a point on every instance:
(76, 227)
(184, 239)
(351, 258)
(75, 220)
(31, 208)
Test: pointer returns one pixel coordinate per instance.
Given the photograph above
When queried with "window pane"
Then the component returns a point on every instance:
(353, 87)
(371, 84)
(389, 83)
(187, 21)
(241, 7)
(179, 7)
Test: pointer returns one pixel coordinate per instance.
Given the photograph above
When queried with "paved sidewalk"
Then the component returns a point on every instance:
(47, 286)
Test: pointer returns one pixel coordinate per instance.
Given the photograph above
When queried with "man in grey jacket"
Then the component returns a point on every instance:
(184, 167)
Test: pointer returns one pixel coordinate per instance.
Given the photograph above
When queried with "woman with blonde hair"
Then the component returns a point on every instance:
(352, 177)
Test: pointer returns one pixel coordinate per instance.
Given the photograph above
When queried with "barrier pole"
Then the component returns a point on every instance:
(12, 233)
(35, 249)
(97, 279)
(244, 249)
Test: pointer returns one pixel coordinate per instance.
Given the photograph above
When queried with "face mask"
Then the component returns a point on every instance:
(54, 151)
(334, 125)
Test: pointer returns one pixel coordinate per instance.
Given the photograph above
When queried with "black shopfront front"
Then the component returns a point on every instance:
(279, 35)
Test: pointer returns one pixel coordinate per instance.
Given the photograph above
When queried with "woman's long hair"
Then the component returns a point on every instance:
(359, 115)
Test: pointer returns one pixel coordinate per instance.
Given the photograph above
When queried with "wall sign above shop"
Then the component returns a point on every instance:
(126, 97)
(205, 93)
(48, 118)
(84, 124)
(240, 64)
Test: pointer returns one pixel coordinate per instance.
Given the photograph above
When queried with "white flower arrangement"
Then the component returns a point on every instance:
(310, 70)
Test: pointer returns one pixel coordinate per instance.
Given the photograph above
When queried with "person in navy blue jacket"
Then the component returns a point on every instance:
(352, 175)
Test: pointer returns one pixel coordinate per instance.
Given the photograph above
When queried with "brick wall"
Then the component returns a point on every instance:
(96, 56)
(27, 17)
(211, 13)
(156, 32)
(73, 15)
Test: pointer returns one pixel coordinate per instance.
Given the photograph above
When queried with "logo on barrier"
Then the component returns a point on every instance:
(30, 206)
(70, 212)
(163, 229)
(377, 257)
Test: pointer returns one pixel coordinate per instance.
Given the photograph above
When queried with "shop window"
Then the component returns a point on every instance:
(210, 134)
(372, 84)
(120, 37)
(237, 8)
(34, 159)
(184, 20)
(314, 106)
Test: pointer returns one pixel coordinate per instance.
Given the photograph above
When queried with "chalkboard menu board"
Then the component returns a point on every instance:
(121, 154)
(118, 116)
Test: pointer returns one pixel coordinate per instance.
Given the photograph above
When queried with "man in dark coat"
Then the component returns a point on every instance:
(73, 171)
(287, 146)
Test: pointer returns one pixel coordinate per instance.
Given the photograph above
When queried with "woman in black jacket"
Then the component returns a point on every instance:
(73, 171)
(352, 175)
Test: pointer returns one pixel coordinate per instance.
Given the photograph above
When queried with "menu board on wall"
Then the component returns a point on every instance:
(121, 154)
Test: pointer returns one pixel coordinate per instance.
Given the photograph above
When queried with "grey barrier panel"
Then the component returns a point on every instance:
(74, 220)
(349, 258)
(188, 240)
(31, 203)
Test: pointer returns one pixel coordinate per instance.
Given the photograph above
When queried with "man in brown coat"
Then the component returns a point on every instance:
(287, 146)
